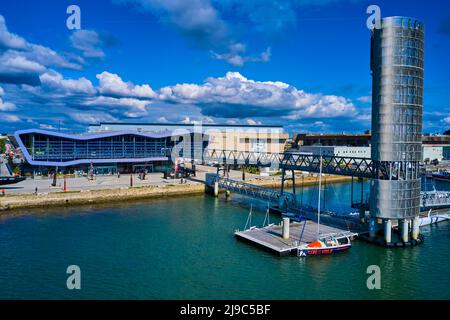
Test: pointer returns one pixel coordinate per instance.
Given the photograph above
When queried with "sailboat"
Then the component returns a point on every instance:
(325, 243)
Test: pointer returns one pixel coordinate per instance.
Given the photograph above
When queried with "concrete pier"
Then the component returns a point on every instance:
(388, 230)
(286, 224)
(216, 189)
(415, 231)
(404, 229)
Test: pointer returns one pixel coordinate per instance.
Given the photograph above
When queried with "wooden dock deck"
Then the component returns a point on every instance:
(270, 237)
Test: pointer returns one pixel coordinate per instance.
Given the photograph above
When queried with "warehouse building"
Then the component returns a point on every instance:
(245, 138)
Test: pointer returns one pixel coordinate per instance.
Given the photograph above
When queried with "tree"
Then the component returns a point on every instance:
(2, 146)
(447, 133)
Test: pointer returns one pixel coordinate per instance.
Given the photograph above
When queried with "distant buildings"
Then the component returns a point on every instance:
(332, 139)
(434, 147)
(339, 151)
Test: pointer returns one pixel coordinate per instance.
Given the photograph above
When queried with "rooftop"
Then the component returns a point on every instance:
(184, 124)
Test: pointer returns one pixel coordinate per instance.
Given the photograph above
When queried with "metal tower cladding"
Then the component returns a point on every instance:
(397, 64)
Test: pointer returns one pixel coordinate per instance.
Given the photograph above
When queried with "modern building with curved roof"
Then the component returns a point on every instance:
(128, 147)
(118, 151)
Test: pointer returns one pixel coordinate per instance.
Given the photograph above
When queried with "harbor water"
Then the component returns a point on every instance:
(184, 248)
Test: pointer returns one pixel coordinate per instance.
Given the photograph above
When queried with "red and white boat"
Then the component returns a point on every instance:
(325, 245)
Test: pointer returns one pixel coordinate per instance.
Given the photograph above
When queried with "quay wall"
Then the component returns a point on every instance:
(102, 196)
(111, 195)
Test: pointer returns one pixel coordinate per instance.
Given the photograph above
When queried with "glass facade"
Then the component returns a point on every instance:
(108, 152)
(397, 64)
(42, 147)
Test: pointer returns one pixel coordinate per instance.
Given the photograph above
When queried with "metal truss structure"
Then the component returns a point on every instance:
(338, 165)
(261, 159)
(251, 190)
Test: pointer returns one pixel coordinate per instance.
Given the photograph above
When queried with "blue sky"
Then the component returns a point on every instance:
(300, 63)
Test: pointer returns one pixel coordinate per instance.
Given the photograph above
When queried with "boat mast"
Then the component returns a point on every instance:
(318, 205)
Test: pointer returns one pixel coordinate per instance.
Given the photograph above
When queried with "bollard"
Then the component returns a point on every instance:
(405, 230)
(65, 184)
(415, 230)
(131, 180)
(216, 189)
(286, 224)
(388, 231)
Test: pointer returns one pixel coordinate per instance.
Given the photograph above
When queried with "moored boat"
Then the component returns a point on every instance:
(441, 175)
(325, 245)
(10, 180)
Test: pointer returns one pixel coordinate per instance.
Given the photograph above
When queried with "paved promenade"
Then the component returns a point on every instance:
(109, 182)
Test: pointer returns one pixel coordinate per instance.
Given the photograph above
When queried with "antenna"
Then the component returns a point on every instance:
(320, 186)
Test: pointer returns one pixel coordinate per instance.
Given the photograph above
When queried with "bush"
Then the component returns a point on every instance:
(16, 171)
(252, 170)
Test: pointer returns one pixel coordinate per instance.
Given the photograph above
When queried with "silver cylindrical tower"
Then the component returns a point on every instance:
(397, 63)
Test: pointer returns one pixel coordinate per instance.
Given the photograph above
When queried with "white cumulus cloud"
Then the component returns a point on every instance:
(5, 106)
(21, 62)
(54, 81)
(8, 39)
(88, 42)
(112, 84)
(11, 118)
(234, 95)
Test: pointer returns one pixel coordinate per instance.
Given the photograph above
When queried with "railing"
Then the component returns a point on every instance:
(359, 167)
(428, 200)
(434, 199)
(254, 191)
(338, 165)
(234, 157)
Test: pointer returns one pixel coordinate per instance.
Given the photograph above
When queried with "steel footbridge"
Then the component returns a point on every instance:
(289, 162)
